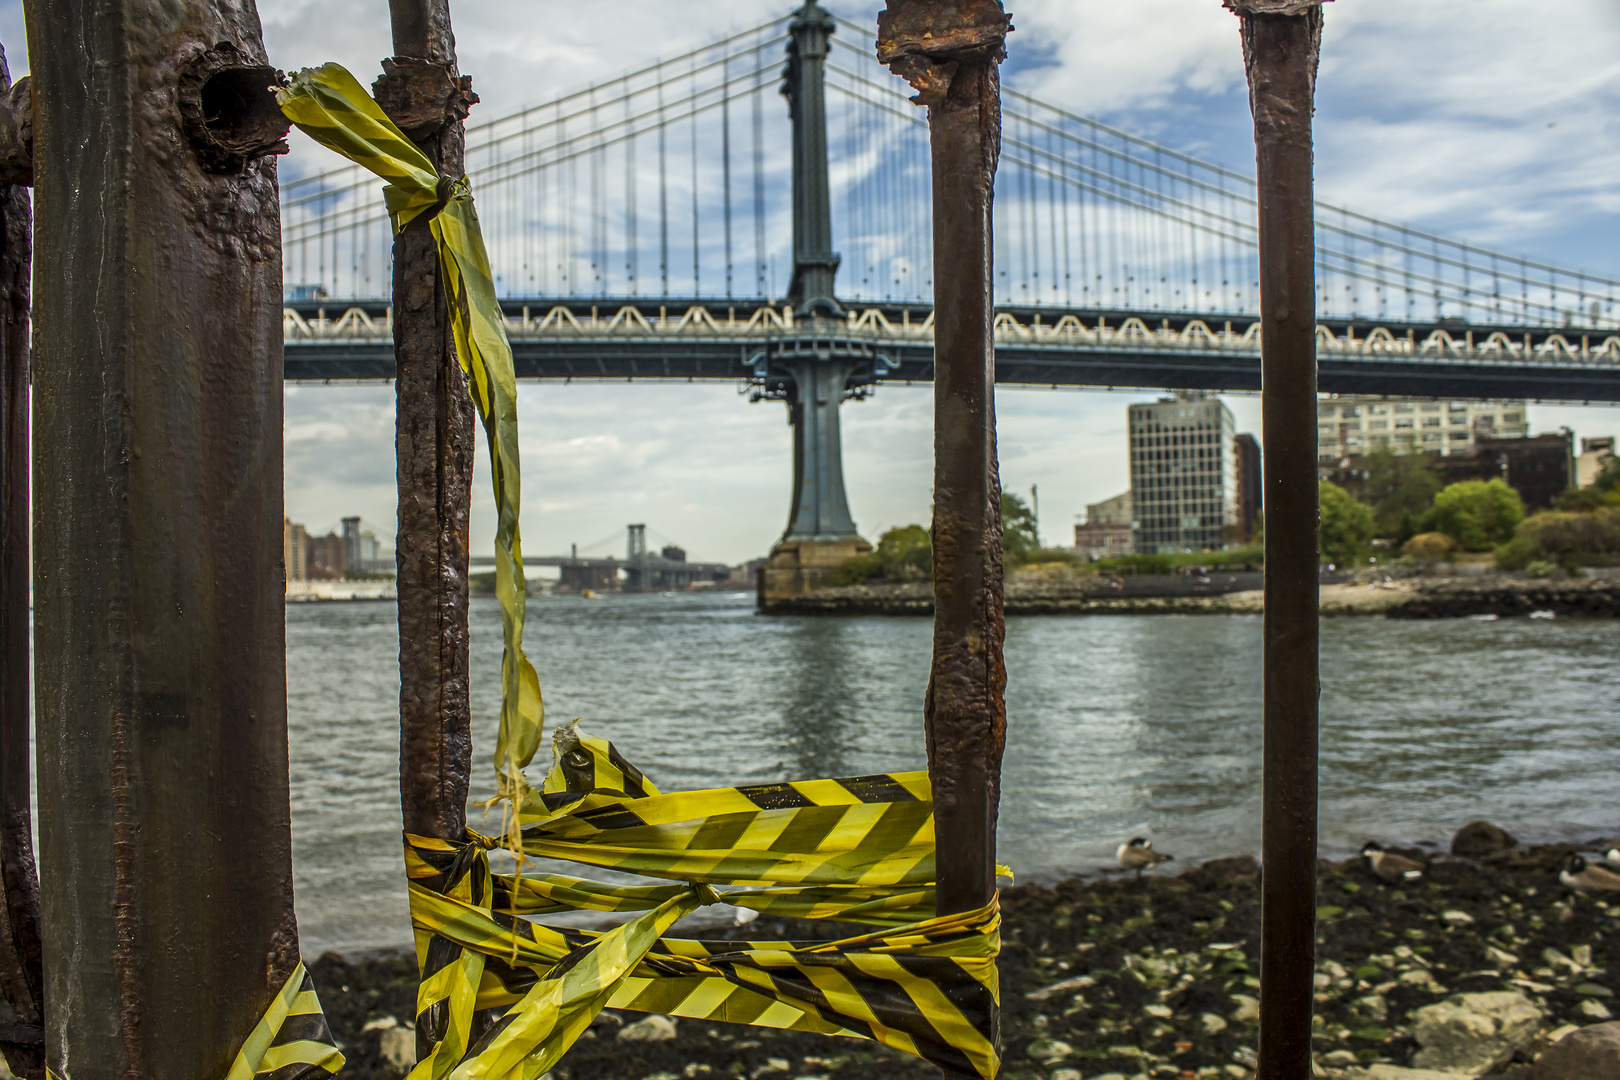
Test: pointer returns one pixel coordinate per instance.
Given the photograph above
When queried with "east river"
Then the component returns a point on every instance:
(1117, 726)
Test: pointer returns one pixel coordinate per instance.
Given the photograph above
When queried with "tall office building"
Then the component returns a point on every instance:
(1350, 424)
(1184, 474)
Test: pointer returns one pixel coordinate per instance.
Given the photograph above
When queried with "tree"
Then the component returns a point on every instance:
(903, 553)
(1348, 526)
(1399, 488)
(1478, 514)
(1018, 532)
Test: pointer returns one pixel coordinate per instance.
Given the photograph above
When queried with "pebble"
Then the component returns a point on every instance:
(398, 1047)
(1049, 1050)
(1248, 1009)
(1594, 1010)
(654, 1028)
(1213, 1024)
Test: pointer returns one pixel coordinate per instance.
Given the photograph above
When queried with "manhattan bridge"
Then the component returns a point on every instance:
(666, 225)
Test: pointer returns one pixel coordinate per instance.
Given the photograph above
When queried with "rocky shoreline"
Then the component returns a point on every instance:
(1412, 598)
(1476, 969)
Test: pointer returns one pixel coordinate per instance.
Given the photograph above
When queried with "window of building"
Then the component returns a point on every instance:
(1458, 406)
(1378, 425)
(1378, 410)
(1512, 418)
(1459, 418)
(1351, 410)
(1403, 407)
(1459, 436)
(1430, 406)
(1403, 423)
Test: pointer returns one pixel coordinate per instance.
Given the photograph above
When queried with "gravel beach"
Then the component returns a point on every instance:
(1118, 977)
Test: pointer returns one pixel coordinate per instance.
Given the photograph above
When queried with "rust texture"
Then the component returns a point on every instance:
(434, 446)
(16, 130)
(21, 975)
(1280, 53)
(160, 668)
(225, 111)
(949, 52)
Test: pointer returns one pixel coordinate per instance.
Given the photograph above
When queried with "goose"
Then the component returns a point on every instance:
(1577, 874)
(1138, 854)
(1390, 866)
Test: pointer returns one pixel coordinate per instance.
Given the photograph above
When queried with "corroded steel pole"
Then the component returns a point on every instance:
(948, 50)
(165, 854)
(1280, 42)
(423, 93)
(21, 978)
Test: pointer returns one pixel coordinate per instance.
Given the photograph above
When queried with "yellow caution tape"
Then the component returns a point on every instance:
(332, 108)
(291, 1039)
(858, 849)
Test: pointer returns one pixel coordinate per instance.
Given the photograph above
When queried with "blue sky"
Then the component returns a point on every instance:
(1492, 121)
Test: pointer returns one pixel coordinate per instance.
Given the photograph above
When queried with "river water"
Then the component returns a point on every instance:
(1117, 726)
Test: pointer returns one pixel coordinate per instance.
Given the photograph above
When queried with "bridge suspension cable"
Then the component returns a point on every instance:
(1087, 216)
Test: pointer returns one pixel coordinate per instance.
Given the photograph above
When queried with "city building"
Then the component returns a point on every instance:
(1349, 425)
(1596, 453)
(294, 550)
(1183, 474)
(1249, 486)
(328, 557)
(352, 558)
(1106, 531)
(1540, 468)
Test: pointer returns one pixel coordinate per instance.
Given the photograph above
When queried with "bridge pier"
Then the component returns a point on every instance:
(820, 533)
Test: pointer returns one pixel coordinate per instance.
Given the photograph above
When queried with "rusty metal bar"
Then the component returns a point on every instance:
(948, 50)
(423, 93)
(21, 975)
(165, 854)
(1280, 45)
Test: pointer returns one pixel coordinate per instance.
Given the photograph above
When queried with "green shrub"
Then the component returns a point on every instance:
(1348, 526)
(1020, 536)
(1516, 554)
(1248, 555)
(903, 553)
(1478, 514)
(1429, 545)
(1540, 568)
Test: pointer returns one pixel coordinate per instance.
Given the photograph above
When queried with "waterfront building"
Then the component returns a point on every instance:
(294, 549)
(328, 557)
(1183, 474)
(1596, 453)
(1249, 486)
(1106, 531)
(1540, 468)
(1348, 425)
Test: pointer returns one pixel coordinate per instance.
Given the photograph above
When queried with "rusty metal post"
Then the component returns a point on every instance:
(165, 853)
(1280, 43)
(423, 93)
(21, 978)
(948, 50)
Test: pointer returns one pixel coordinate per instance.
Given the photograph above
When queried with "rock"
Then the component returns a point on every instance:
(397, 1046)
(1339, 1058)
(1471, 1033)
(1457, 918)
(1590, 1053)
(1422, 978)
(1213, 1025)
(1079, 982)
(1248, 1009)
(1595, 1010)
(1371, 1007)
(1163, 1012)
(1396, 1072)
(1215, 871)
(381, 1023)
(1065, 1074)
(1246, 1057)
(655, 1028)
(1481, 838)
(1047, 1051)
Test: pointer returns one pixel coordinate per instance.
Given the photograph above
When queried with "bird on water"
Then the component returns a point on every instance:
(1579, 874)
(1390, 866)
(1138, 854)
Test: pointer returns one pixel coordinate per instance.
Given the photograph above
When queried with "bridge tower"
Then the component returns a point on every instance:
(811, 369)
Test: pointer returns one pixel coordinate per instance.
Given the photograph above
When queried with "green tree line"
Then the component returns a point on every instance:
(1407, 506)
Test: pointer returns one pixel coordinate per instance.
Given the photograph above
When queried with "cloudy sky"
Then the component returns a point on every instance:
(1492, 121)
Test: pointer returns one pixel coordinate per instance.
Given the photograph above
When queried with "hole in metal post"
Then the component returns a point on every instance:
(229, 109)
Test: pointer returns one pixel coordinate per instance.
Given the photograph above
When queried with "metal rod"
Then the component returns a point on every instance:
(964, 713)
(21, 974)
(434, 446)
(1280, 44)
(165, 852)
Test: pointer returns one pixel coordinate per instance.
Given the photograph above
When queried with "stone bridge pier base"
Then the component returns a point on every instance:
(820, 533)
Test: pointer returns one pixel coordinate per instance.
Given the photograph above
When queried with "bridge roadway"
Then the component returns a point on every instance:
(759, 343)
